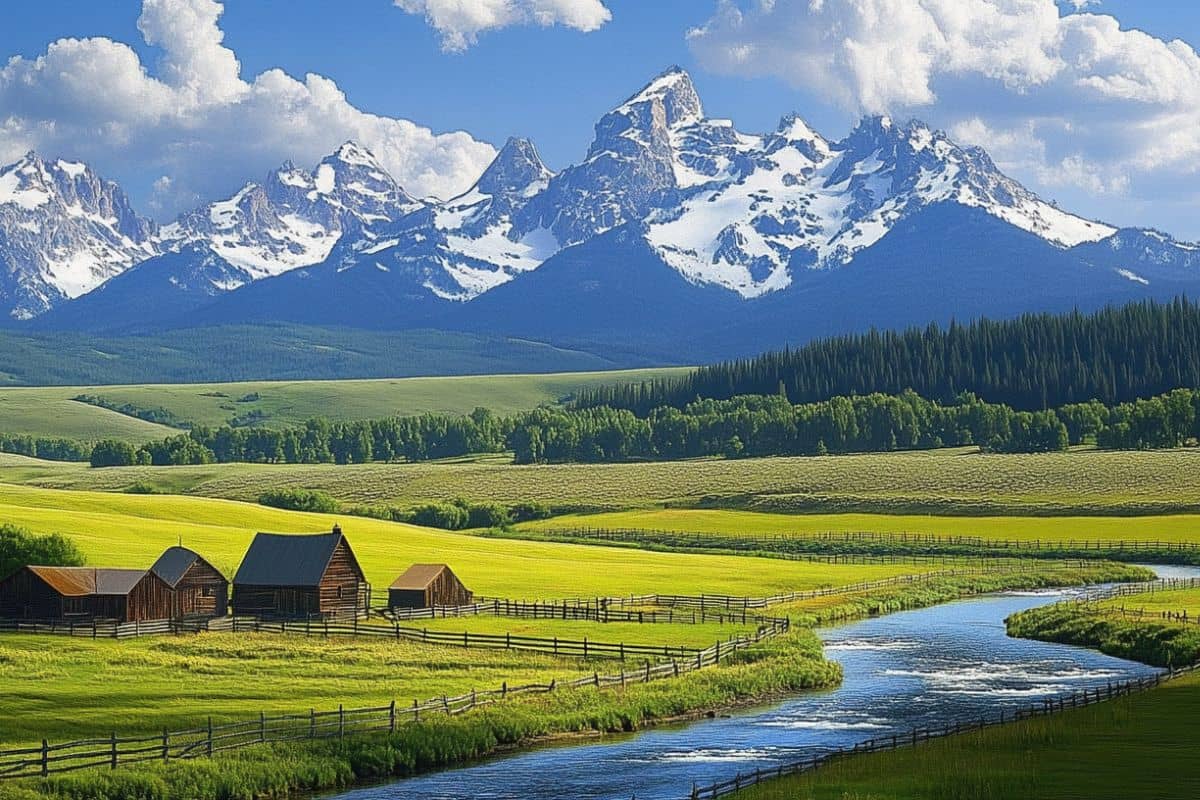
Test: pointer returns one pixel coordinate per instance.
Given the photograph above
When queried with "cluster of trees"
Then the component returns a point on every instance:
(19, 548)
(312, 500)
(750, 425)
(157, 415)
(758, 425)
(457, 514)
(1036, 362)
(49, 448)
(319, 441)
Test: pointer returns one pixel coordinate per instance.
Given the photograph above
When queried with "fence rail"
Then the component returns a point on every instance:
(880, 547)
(109, 629)
(115, 751)
(601, 610)
(916, 736)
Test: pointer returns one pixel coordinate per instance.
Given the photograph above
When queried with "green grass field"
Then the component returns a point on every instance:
(1174, 600)
(1170, 528)
(132, 530)
(942, 482)
(147, 684)
(1131, 748)
(49, 411)
(699, 636)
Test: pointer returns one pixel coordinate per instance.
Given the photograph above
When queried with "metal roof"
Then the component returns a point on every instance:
(419, 576)
(287, 559)
(174, 564)
(84, 581)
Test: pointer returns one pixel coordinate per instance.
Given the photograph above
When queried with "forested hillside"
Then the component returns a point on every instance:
(1035, 362)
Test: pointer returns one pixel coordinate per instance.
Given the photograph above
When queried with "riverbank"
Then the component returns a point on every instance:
(1135, 748)
(1160, 642)
(781, 667)
(793, 663)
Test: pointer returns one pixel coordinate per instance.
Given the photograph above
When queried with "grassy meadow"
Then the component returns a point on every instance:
(1169, 528)
(49, 410)
(951, 482)
(175, 682)
(133, 530)
(1132, 748)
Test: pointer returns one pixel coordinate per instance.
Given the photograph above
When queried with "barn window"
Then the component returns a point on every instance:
(208, 591)
(339, 593)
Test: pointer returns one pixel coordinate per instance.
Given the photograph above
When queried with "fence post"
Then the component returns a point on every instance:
(312, 723)
(262, 726)
(166, 746)
(210, 738)
(341, 721)
(114, 750)
(392, 717)
(45, 758)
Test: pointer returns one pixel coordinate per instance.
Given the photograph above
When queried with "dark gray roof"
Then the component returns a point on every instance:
(174, 564)
(118, 581)
(287, 559)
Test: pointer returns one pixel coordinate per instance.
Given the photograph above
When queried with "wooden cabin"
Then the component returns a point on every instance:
(300, 576)
(428, 585)
(84, 593)
(198, 589)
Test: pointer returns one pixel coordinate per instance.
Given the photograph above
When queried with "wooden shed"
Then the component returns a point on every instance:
(300, 576)
(426, 586)
(198, 589)
(125, 595)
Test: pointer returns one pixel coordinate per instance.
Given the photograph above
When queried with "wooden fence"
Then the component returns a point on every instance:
(871, 547)
(115, 751)
(592, 610)
(914, 737)
(109, 629)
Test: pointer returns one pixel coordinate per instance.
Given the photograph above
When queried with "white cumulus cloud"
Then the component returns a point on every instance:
(459, 22)
(196, 121)
(1061, 94)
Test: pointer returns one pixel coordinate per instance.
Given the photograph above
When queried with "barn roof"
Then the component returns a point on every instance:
(419, 576)
(287, 559)
(174, 564)
(83, 581)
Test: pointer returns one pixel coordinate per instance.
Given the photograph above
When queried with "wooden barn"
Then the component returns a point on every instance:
(426, 586)
(300, 576)
(84, 593)
(198, 589)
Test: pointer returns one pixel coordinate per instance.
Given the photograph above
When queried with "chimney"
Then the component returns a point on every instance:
(337, 529)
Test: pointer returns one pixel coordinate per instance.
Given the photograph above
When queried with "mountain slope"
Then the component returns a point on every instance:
(63, 231)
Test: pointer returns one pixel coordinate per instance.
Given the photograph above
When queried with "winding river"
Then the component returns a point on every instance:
(920, 668)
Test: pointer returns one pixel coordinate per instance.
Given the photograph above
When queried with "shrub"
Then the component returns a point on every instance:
(448, 516)
(142, 487)
(488, 515)
(300, 500)
(19, 548)
(113, 453)
(528, 512)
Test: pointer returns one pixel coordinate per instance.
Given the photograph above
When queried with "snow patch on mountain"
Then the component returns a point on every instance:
(63, 232)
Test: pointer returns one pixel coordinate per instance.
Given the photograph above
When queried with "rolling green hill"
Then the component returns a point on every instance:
(50, 411)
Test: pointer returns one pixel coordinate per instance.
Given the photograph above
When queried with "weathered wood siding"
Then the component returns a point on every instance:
(341, 584)
(150, 599)
(445, 590)
(23, 595)
(275, 601)
(201, 592)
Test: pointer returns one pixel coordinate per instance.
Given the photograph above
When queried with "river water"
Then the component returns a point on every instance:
(922, 668)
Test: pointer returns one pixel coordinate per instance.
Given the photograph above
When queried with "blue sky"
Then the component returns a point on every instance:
(552, 83)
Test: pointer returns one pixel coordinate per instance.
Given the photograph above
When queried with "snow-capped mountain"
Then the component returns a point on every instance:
(295, 217)
(63, 232)
(674, 227)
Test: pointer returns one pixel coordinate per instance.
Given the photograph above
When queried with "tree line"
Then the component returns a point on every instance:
(752, 425)
(1032, 363)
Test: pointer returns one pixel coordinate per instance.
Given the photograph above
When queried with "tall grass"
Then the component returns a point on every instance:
(1161, 643)
(790, 664)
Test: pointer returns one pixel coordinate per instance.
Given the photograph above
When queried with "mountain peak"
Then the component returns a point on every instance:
(674, 88)
(351, 152)
(516, 167)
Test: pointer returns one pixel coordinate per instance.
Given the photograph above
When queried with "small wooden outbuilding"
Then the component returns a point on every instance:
(300, 576)
(428, 585)
(53, 593)
(198, 589)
